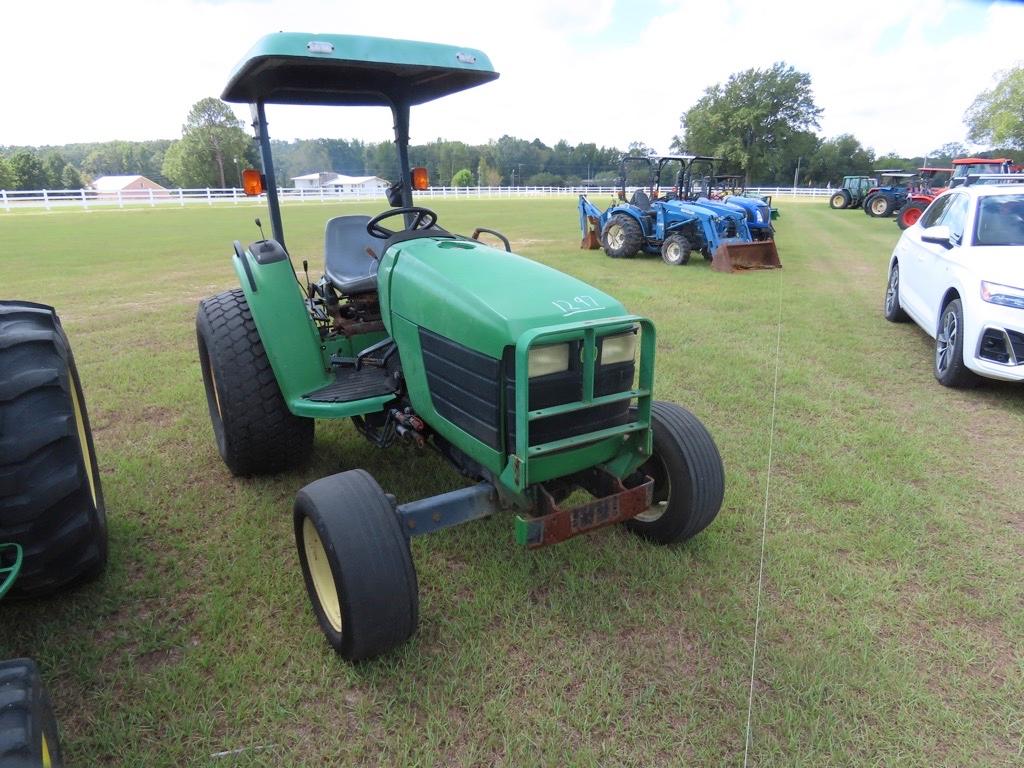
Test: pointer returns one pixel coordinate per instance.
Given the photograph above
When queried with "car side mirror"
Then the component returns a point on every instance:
(939, 235)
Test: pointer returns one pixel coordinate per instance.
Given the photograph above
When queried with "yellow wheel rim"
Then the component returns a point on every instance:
(83, 440)
(321, 575)
(47, 760)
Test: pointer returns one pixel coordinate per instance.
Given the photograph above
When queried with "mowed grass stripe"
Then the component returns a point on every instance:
(892, 606)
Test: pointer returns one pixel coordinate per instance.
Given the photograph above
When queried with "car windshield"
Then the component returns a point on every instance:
(1000, 220)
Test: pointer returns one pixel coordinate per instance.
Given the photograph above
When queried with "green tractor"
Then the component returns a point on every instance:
(525, 379)
(853, 192)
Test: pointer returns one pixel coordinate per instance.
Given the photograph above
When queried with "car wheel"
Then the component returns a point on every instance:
(893, 311)
(949, 349)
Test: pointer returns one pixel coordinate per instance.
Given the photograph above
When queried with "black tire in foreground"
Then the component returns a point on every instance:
(256, 434)
(356, 564)
(28, 729)
(689, 480)
(839, 200)
(51, 499)
(949, 349)
(675, 251)
(622, 237)
(893, 311)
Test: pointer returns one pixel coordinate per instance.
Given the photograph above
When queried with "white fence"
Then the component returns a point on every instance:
(89, 198)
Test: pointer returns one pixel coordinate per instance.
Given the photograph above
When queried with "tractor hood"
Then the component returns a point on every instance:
(707, 207)
(482, 297)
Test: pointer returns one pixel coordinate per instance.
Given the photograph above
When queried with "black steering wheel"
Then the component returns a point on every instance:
(423, 218)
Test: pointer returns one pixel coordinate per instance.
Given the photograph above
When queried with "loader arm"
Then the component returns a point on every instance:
(591, 224)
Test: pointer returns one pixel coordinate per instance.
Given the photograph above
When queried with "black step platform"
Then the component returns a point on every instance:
(350, 384)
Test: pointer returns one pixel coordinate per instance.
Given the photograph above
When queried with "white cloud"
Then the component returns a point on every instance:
(600, 71)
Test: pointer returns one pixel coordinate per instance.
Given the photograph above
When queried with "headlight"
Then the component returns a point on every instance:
(551, 358)
(1006, 295)
(620, 348)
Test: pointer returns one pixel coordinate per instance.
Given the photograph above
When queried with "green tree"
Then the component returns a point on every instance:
(27, 170)
(750, 118)
(53, 169)
(834, 158)
(211, 139)
(996, 117)
(487, 175)
(463, 178)
(70, 178)
(6, 174)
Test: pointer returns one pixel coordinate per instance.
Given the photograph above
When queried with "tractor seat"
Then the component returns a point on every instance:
(351, 255)
(640, 200)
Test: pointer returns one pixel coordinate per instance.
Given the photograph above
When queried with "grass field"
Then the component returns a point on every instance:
(892, 610)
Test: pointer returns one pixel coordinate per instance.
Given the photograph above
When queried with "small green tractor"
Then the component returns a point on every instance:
(853, 192)
(525, 379)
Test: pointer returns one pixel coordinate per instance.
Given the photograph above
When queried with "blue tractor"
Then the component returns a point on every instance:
(662, 220)
(730, 189)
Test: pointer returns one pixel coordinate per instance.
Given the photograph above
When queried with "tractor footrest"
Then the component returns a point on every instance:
(614, 503)
(350, 384)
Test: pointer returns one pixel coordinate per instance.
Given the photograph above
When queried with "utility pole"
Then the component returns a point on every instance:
(796, 173)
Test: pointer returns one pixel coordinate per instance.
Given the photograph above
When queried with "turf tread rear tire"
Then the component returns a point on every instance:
(691, 457)
(370, 561)
(46, 498)
(255, 432)
(26, 717)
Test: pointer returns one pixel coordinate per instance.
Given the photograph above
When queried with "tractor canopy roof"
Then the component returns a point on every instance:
(351, 70)
(935, 170)
(982, 161)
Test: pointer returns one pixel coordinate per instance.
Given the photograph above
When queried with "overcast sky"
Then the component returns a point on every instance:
(897, 74)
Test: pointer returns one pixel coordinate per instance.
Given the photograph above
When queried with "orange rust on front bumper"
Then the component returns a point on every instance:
(614, 503)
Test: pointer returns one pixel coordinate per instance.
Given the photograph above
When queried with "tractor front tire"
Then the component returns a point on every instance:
(839, 200)
(51, 500)
(256, 434)
(689, 480)
(675, 251)
(356, 564)
(622, 237)
(28, 730)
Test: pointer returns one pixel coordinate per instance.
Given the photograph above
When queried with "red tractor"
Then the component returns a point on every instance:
(911, 211)
(931, 182)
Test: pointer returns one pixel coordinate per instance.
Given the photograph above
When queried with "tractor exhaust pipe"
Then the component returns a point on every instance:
(739, 257)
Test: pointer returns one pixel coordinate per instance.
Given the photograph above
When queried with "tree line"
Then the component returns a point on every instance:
(762, 121)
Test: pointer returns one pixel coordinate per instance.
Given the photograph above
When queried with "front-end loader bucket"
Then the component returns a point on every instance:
(739, 257)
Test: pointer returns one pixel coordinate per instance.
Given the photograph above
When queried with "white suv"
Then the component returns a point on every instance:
(959, 274)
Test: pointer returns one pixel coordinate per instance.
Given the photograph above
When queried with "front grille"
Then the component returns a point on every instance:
(567, 387)
(1017, 342)
(464, 386)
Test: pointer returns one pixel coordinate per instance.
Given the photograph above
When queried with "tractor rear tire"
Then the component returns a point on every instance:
(675, 251)
(622, 237)
(28, 729)
(356, 564)
(839, 200)
(909, 214)
(51, 499)
(879, 206)
(256, 434)
(689, 480)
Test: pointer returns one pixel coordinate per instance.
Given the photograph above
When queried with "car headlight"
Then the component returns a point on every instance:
(620, 348)
(550, 358)
(1006, 295)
